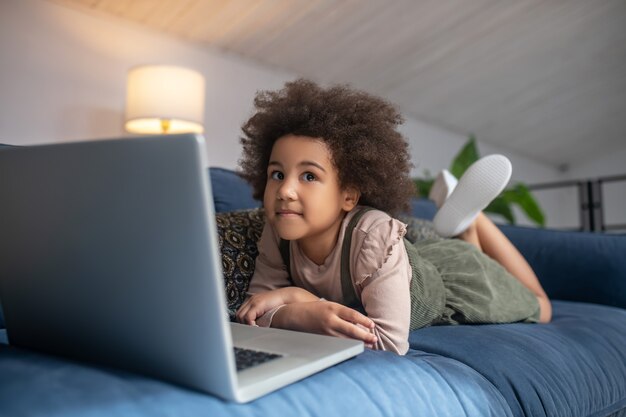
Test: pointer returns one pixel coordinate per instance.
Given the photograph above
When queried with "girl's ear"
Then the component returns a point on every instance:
(350, 198)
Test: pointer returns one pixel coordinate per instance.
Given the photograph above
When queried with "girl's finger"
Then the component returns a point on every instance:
(244, 315)
(249, 318)
(355, 332)
(355, 317)
(241, 313)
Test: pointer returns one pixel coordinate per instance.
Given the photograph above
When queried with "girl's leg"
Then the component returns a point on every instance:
(487, 237)
(460, 215)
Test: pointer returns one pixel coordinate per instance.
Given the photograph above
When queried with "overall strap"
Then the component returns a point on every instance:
(285, 253)
(347, 288)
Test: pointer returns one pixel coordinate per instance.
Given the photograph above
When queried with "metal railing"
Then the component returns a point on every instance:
(591, 201)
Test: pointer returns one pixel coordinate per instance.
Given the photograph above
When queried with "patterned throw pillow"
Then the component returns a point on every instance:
(238, 233)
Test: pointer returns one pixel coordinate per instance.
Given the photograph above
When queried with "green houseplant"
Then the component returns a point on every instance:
(518, 194)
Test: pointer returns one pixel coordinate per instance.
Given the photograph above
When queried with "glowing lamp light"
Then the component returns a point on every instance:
(164, 99)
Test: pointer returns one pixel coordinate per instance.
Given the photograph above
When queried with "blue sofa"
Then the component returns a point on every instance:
(573, 366)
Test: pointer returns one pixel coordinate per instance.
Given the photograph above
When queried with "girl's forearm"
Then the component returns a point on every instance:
(292, 295)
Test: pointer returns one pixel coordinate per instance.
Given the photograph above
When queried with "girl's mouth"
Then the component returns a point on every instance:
(287, 213)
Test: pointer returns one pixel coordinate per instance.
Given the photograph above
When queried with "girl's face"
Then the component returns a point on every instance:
(303, 199)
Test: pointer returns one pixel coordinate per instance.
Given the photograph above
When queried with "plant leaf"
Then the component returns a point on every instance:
(501, 207)
(423, 186)
(522, 197)
(466, 157)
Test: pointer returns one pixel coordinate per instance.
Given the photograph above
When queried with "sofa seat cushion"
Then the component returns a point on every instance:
(373, 383)
(573, 366)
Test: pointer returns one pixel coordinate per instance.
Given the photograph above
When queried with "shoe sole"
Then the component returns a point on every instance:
(480, 184)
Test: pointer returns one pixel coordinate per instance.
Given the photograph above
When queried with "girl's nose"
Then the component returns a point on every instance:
(286, 191)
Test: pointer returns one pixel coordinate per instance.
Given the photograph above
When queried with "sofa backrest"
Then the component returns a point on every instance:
(230, 191)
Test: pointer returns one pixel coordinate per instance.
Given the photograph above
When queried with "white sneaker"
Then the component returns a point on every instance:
(483, 181)
(442, 187)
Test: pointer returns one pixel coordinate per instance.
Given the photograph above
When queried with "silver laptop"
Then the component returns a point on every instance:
(109, 254)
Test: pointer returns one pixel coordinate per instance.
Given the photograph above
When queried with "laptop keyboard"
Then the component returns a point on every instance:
(247, 358)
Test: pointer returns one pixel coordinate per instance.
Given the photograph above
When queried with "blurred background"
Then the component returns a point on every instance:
(542, 82)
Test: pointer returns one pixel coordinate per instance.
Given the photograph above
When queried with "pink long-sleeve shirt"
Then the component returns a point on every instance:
(379, 265)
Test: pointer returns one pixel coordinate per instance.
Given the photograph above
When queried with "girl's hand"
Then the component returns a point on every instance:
(326, 317)
(258, 304)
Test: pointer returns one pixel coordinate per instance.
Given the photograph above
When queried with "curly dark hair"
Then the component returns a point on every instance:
(358, 128)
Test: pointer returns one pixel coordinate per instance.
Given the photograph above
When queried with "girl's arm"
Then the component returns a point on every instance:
(270, 287)
(326, 317)
(269, 276)
(381, 276)
(267, 303)
(274, 302)
(294, 308)
(385, 296)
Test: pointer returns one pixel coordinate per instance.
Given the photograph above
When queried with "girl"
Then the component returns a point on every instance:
(332, 168)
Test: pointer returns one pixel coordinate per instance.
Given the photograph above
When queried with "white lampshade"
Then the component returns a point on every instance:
(164, 99)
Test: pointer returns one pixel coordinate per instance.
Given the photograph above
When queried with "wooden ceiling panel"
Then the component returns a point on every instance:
(535, 76)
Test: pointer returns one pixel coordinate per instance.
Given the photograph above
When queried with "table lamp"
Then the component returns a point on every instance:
(164, 99)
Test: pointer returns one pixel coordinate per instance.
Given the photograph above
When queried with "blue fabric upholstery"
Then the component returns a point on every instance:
(573, 366)
(423, 208)
(230, 192)
(577, 266)
(374, 383)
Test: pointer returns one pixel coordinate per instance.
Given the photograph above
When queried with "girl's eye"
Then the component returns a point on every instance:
(277, 175)
(307, 176)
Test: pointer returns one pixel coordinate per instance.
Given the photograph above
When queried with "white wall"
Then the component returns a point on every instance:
(433, 148)
(63, 78)
(612, 164)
